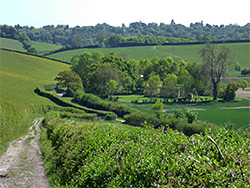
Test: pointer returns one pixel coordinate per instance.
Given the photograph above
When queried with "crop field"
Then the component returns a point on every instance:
(190, 53)
(11, 44)
(43, 47)
(20, 74)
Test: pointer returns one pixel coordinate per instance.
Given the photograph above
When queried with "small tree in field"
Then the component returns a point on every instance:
(69, 79)
(158, 108)
(243, 84)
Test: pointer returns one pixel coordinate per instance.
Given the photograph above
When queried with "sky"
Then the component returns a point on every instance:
(39, 13)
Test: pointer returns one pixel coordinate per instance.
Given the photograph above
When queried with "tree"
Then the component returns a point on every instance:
(77, 41)
(243, 84)
(152, 86)
(111, 86)
(228, 93)
(158, 108)
(69, 79)
(215, 63)
(170, 80)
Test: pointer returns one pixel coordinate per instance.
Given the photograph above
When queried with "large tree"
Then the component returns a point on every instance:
(69, 79)
(215, 62)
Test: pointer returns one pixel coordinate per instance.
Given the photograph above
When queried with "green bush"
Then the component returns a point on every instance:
(98, 156)
(93, 101)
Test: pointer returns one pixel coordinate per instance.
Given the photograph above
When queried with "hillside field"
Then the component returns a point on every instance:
(11, 44)
(43, 47)
(241, 51)
(20, 74)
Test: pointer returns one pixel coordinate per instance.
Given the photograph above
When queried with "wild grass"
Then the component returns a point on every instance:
(11, 44)
(15, 122)
(20, 74)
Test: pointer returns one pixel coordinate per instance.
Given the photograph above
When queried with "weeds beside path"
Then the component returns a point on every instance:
(22, 164)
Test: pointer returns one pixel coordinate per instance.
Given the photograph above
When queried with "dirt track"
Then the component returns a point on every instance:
(22, 164)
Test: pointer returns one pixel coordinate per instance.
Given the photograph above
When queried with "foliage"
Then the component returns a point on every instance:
(158, 108)
(245, 72)
(215, 64)
(98, 156)
(93, 101)
(228, 94)
(244, 84)
(136, 33)
(152, 86)
(191, 116)
(69, 79)
(111, 87)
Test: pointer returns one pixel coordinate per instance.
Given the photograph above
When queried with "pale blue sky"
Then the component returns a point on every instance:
(115, 12)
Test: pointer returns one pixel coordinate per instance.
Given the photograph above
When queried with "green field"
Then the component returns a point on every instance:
(130, 52)
(20, 74)
(190, 53)
(43, 47)
(241, 51)
(11, 44)
(218, 113)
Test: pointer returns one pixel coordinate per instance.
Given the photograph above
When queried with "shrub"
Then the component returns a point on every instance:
(98, 156)
(191, 116)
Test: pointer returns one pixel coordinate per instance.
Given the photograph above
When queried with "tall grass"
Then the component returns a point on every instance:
(14, 122)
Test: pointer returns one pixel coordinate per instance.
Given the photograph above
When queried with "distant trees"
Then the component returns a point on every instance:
(136, 33)
(164, 77)
(215, 62)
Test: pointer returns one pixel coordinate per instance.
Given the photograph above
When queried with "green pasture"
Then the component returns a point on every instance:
(241, 52)
(20, 74)
(127, 52)
(43, 47)
(11, 44)
(214, 112)
(190, 53)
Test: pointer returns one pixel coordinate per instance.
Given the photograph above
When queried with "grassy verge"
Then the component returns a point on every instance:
(15, 122)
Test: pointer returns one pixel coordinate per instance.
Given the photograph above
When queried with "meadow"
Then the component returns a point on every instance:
(186, 52)
(43, 47)
(215, 112)
(20, 74)
(11, 44)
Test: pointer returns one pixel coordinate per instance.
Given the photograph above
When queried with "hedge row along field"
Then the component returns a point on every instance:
(90, 155)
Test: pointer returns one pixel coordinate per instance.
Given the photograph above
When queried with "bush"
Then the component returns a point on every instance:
(191, 116)
(111, 117)
(98, 156)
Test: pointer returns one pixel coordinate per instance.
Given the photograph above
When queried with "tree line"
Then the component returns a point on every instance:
(101, 33)
(105, 75)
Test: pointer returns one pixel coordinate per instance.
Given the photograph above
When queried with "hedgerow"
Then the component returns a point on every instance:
(90, 155)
